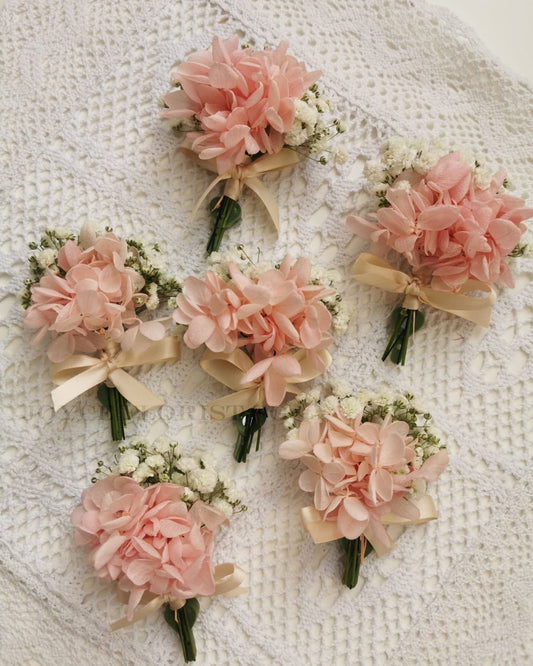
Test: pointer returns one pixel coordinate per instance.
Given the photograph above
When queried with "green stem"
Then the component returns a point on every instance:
(354, 559)
(394, 338)
(117, 405)
(409, 329)
(225, 214)
(405, 323)
(188, 644)
(353, 562)
(249, 423)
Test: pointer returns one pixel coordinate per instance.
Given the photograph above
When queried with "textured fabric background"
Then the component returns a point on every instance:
(81, 140)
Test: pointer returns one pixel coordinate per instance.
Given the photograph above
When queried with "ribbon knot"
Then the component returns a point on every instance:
(373, 271)
(247, 174)
(412, 294)
(229, 370)
(81, 372)
(322, 531)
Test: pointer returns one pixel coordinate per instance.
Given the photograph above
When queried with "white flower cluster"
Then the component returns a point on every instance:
(314, 126)
(162, 462)
(364, 406)
(399, 154)
(149, 263)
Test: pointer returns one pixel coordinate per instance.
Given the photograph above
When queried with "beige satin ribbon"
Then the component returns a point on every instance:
(373, 271)
(228, 580)
(80, 372)
(247, 175)
(322, 530)
(229, 369)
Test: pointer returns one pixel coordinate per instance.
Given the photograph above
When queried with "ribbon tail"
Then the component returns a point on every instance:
(266, 197)
(134, 392)
(235, 403)
(476, 310)
(375, 272)
(208, 189)
(228, 580)
(78, 384)
(140, 613)
(321, 531)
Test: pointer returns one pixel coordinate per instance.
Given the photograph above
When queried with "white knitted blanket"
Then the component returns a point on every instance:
(81, 140)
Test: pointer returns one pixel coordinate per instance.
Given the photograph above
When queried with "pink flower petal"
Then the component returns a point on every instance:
(200, 329)
(294, 448)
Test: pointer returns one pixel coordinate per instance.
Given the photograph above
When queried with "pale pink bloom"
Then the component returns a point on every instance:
(92, 304)
(209, 309)
(358, 472)
(243, 99)
(147, 539)
(281, 311)
(449, 229)
(270, 315)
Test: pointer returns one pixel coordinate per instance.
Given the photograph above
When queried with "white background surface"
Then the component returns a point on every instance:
(504, 27)
(505, 30)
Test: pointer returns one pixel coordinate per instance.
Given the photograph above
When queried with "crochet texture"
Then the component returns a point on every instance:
(81, 140)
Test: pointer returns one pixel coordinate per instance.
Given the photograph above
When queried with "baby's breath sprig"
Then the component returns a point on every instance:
(163, 462)
(314, 128)
(365, 406)
(45, 258)
(147, 263)
(157, 285)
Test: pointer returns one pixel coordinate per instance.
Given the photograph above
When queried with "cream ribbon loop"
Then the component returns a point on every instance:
(373, 271)
(247, 175)
(229, 369)
(228, 580)
(322, 531)
(81, 372)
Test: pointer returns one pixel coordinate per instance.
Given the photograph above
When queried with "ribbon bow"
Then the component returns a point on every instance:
(373, 271)
(322, 530)
(228, 580)
(229, 370)
(80, 372)
(247, 174)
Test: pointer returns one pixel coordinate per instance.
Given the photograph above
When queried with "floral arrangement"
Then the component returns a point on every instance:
(266, 329)
(368, 458)
(247, 112)
(88, 291)
(452, 220)
(154, 535)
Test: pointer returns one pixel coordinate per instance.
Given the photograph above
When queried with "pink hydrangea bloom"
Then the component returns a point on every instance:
(449, 229)
(147, 539)
(281, 311)
(243, 99)
(359, 472)
(209, 310)
(271, 315)
(93, 303)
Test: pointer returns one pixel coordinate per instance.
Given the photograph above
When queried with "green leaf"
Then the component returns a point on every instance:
(228, 213)
(396, 354)
(103, 396)
(191, 610)
(186, 618)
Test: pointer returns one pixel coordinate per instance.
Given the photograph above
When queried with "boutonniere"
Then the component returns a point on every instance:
(368, 458)
(149, 523)
(266, 328)
(245, 113)
(452, 220)
(89, 292)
